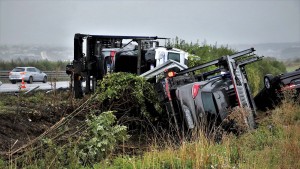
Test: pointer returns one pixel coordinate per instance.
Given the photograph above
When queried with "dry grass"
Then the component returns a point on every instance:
(275, 144)
(237, 119)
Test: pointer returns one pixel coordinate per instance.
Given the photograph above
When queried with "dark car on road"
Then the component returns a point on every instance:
(275, 86)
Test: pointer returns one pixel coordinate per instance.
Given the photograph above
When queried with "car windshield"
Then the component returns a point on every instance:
(208, 102)
(18, 69)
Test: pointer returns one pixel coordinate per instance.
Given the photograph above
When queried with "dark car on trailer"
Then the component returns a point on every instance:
(193, 99)
(275, 86)
(211, 99)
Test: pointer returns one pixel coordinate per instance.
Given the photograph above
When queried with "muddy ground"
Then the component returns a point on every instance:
(25, 117)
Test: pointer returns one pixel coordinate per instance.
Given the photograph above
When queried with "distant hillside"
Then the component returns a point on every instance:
(35, 52)
(281, 51)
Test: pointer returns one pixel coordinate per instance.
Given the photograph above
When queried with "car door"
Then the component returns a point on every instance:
(35, 74)
(31, 73)
(39, 75)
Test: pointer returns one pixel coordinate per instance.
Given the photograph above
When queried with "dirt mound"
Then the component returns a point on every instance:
(19, 129)
(23, 118)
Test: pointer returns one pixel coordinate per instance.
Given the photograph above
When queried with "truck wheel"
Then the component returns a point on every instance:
(267, 81)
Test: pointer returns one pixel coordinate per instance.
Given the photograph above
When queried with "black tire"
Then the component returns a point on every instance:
(30, 80)
(45, 79)
(267, 81)
(13, 82)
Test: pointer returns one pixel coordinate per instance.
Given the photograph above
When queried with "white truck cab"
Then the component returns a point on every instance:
(162, 58)
(163, 54)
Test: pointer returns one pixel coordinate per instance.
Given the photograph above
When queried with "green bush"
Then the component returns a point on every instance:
(100, 138)
(2, 163)
(128, 94)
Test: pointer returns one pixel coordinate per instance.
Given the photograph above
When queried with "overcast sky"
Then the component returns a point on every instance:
(223, 21)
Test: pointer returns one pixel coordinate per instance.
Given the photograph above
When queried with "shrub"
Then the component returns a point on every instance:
(2, 163)
(130, 96)
(100, 138)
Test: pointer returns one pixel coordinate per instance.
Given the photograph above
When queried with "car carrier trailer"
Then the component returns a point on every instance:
(188, 96)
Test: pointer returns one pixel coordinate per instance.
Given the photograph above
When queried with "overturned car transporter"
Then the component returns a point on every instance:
(91, 65)
(206, 92)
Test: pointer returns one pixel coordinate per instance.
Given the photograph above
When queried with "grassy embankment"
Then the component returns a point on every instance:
(292, 65)
(275, 144)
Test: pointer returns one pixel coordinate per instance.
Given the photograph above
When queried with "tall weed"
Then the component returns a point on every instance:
(274, 144)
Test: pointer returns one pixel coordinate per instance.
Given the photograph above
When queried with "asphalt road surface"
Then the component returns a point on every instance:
(8, 87)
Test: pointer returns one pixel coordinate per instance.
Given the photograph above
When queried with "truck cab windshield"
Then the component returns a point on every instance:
(174, 56)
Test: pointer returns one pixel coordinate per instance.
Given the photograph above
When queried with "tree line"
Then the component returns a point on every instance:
(44, 65)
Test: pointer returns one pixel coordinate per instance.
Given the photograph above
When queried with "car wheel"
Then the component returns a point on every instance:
(45, 79)
(267, 81)
(30, 80)
(13, 82)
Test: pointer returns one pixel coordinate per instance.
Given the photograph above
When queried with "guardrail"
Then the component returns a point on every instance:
(51, 75)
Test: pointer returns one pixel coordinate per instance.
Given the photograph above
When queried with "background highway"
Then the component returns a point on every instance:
(8, 87)
(62, 82)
